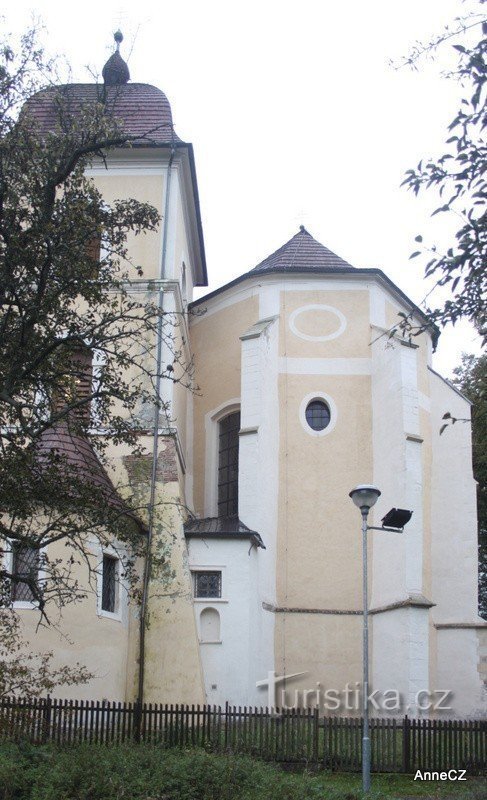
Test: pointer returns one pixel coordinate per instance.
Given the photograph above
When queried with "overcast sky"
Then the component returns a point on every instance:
(296, 116)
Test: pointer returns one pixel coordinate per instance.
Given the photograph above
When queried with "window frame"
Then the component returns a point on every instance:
(318, 395)
(98, 362)
(113, 553)
(233, 501)
(209, 568)
(8, 561)
(109, 583)
(324, 408)
(209, 571)
(212, 422)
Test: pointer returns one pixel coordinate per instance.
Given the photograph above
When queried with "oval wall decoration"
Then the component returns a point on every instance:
(327, 319)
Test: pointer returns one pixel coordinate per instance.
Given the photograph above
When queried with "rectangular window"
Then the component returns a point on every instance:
(25, 565)
(207, 584)
(228, 466)
(109, 587)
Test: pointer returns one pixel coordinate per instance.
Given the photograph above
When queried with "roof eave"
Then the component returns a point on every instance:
(451, 386)
(201, 269)
(254, 537)
(201, 272)
(373, 272)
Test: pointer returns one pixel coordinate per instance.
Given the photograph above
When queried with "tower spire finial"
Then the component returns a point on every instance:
(116, 72)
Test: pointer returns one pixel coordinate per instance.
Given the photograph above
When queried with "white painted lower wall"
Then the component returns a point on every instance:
(458, 672)
(388, 572)
(453, 512)
(400, 656)
(229, 664)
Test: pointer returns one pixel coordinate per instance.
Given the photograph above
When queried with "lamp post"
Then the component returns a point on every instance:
(365, 496)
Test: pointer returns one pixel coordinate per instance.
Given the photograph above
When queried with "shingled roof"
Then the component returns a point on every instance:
(143, 110)
(221, 528)
(76, 453)
(302, 253)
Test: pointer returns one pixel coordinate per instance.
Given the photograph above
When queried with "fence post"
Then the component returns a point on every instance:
(316, 733)
(227, 708)
(406, 756)
(46, 720)
(137, 721)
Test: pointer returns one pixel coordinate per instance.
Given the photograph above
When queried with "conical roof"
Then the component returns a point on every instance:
(302, 253)
(78, 455)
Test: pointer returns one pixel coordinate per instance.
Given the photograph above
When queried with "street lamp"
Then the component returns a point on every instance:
(365, 496)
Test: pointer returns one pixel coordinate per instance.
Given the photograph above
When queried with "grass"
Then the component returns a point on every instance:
(146, 772)
(402, 786)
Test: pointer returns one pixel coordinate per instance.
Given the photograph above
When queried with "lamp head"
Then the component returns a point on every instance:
(397, 518)
(365, 496)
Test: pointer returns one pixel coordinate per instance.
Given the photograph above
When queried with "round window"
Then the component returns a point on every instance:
(317, 415)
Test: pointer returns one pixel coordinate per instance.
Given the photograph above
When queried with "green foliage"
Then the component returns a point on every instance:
(67, 301)
(459, 177)
(61, 305)
(144, 772)
(471, 379)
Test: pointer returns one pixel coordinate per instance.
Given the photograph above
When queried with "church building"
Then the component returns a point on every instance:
(302, 393)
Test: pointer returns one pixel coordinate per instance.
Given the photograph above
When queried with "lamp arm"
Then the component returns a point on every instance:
(383, 528)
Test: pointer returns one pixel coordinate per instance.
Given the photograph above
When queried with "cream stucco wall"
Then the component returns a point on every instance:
(144, 250)
(319, 545)
(215, 344)
(331, 344)
(318, 319)
(83, 634)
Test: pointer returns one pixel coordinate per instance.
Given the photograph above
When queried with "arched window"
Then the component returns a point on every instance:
(228, 465)
(209, 625)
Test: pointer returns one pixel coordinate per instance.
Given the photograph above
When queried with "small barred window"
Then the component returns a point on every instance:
(207, 584)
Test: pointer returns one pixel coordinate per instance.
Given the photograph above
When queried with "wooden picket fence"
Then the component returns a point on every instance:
(291, 736)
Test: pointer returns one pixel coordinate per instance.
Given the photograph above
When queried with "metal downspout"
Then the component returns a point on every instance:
(155, 447)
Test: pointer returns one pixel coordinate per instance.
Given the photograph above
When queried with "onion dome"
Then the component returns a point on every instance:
(116, 72)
